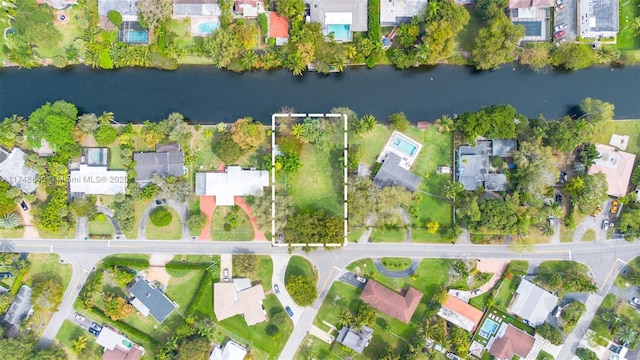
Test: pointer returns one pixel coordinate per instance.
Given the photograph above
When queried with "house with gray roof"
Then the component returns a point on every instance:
(598, 18)
(14, 171)
(126, 8)
(340, 17)
(474, 164)
(355, 340)
(392, 174)
(149, 300)
(167, 160)
(20, 308)
(532, 303)
(58, 4)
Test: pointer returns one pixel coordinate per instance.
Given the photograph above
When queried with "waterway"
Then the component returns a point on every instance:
(207, 95)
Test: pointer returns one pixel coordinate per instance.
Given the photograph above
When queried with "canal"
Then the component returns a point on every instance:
(207, 95)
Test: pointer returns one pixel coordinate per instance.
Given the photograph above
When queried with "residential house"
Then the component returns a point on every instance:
(532, 303)
(355, 339)
(248, 8)
(396, 12)
(617, 166)
(20, 308)
(149, 300)
(234, 181)
(460, 314)
(167, 160)
(278, 28)
(239, 298)
(91, 176)
(195, 8)
(117, 346)
(598, 19)
(340, 17)
(392, 174)
(399, 306)
(130, 31)
(232, 350)
(534, 16)
(58, 4)
(474, 164)
(14, 171)
(510, 341)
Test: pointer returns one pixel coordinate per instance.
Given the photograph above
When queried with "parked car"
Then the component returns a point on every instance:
(553, 221)
(360, 279)
(559, 199)
(605, 224)
(475, 292)
(24, 206)
(161, 202)
(96, 326)
(276, 289)
(560, 7)
(597, 211)
(225, 274)
(289, 311)
(559, 34)
(557, 311)
(94, 331)
(614, 206)
(79, 317)
(558, 28)
(635, 302)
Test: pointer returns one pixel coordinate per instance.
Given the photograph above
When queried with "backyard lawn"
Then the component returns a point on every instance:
(622, 127)
(183, 286)
(203, 151)
(173, 231)
(69, 332)
(115, 157)
(222, 215)
(71, 30)
(312, 187)
(628, 38)
(101, 228)
(300, 266)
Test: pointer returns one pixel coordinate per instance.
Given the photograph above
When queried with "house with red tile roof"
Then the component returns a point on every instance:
(511, 341)
(617, 166)
(460, 314)
(385, 300)
(278, 28)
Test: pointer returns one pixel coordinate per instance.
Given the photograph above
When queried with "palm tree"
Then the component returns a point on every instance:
(548, 230)
(366, 124)
(106, 118)
(9, 221)
(296, 64)
(250, 60)
(445, 124)
(626, 334)
(634, 276)
(71, 53)
(339, 63)
(350, 51)
(78, 345)
(636, 24)
(345, 318)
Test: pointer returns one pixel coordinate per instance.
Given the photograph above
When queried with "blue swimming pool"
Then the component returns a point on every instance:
(404, 145)
(208, 27)
(136, 37)
(488, 328)
(340, 32)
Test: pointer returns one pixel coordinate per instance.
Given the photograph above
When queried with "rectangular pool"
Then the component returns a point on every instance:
(488, 328)
(136, 37)
(340, 32)
(402, 144)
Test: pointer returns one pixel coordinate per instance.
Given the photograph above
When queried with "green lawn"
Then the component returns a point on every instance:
(621, 279)
(172, 231)
(47, 266)
(371, 143)
(243, 232)
(115, 157)
(194, 208)
(4, 24)
(313, 186)
(183, 286)
(505, 292)
(201, 147)
(9, 234)
(262, 346)
(264, 272)
(69, 332)
(70, 30)
(626, 313)
(589, 235)
(622, 127)
(138, 207)
(390, 235)
(563, 268)
(299, 266)
(101, 228)
(628, 38)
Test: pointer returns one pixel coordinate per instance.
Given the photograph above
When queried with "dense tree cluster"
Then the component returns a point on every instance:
(26, 347)
(54, 123)
(494, 122)
(302, 289)
(553, 334)
(317, 227)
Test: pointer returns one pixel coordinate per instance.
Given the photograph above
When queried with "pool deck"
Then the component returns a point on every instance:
(406, 160)
(197, 20)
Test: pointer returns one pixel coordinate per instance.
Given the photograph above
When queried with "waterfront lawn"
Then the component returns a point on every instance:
(201, 147)
(299, 266)
(622, 127)
(262, 345)
(4, 24)
(71, 30)
(101, 228)
(173, 231)
(312, 187)
(371, 143)
(628, 38)
(69, 332)
(115, 156)
(242, 232)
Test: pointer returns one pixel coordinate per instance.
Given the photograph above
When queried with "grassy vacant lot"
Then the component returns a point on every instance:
(388, 235)
(622, 127)
(262, 345)
(201, 147)
(243, 232)
(628, 38)
(183, 286)
(70, 332)
(101, 228)
(621, 279)
(172, 231)
(70, 30)
(299, 266)
(312, 187)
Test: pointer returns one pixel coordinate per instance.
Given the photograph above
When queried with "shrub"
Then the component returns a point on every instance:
(302, 290)
(115, 17)
(105, 135)
(100, 217)
(161, 216)
(196, 221)
(272, 330)
(550, 333)
(264, 24)
(131, 263)
(205, 282)
(586, 354)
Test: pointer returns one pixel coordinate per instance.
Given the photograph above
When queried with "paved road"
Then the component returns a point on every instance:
(573, 340)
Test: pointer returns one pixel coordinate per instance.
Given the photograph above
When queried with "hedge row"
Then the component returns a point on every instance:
(132, 263)
(373, 29)
(177, 265)
(17, 283)
(134, 334)
(202, 287)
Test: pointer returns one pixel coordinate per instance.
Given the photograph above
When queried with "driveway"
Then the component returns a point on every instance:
(226, 262)
(396, 274)
(573, 340)
(180, 208)
(350, 278)
(595, 223)
(30, 231)
(82, 227)
(111, 216)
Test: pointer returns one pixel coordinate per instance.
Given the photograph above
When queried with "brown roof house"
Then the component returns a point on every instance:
(460, 313)
(117, 346)
(511, 341)
(617, 166)
(390, 302)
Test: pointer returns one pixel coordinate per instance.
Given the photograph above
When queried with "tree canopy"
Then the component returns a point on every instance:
(317, 227)
(34, 23)
(496, 44)
(53, 123)
(247, 133)
(496, 121)
(302, 290)
(588, 191)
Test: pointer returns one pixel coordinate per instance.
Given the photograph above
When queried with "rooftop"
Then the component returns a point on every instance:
(617, 167)
(320, 9)
(58, 4)
(14, 171)
(396, 12)
(234, 181)
(532, 303)
(278, 26)
(248, 8)
(149, 300)
(228, 302)
(390, 302)
(97, 180)
(166, 161)
(518, 4)
(20, 307)
(460, 313)
(391, 173)
(355, 339)
(474, 164)
(598, 18)
(511, 341)
(231, 351)
(124, 7)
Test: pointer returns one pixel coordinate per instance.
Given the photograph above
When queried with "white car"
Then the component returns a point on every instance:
(79, 317)
(635, 302)
(558, 28)
(360, 279)
(225, 274)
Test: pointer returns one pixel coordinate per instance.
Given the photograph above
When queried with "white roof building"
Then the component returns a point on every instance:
(231, 351)
(532, 303)
(234, 181)
(14, 171)
(97, 180)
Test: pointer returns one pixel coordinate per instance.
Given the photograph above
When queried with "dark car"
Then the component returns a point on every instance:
(559, 34)
(276, 289)
(559, 199)
(161, 201)
(289, 311)
(94, 331)
(24, 206)
(605, 225)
